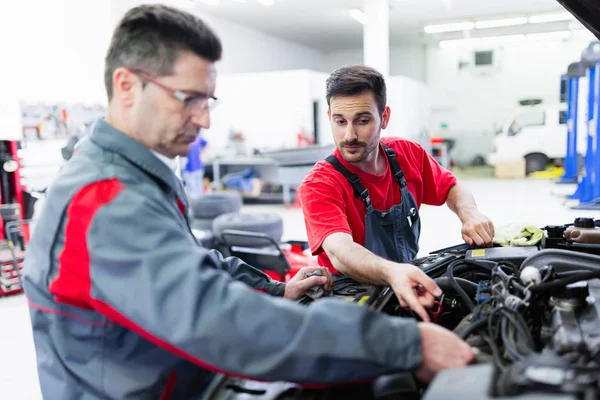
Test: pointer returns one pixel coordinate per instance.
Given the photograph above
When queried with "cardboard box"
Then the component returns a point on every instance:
(510, 169)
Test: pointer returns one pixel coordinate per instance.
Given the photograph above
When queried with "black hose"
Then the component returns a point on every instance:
(562, 260)
(473, 327)
(453, 282)
(508, 343)
(509, 280)
(560, 283)
(444, 283)
(518, 323)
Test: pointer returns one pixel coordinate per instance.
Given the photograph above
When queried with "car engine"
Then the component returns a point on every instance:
(531, 314)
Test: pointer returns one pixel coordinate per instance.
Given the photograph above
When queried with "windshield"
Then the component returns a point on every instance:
(529, 118)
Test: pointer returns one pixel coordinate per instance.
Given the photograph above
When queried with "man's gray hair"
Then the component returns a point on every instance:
(150, 38)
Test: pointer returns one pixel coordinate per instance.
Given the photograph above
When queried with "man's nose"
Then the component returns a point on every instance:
(350, 133)
(201, 118)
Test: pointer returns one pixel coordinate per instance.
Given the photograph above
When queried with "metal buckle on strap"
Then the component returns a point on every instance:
(399, 176)
(366, 198)
(390, 152)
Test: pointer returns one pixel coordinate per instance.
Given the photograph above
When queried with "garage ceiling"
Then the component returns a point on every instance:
(326, 25)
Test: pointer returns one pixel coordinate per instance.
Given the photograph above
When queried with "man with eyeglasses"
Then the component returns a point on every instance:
(125, 304)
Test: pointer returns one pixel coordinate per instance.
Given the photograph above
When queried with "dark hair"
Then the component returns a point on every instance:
(151, 38)
(357, 79)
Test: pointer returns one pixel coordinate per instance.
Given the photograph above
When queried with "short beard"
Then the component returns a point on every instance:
(359, 156)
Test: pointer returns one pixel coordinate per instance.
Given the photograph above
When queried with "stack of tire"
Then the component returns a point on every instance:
(216, 212)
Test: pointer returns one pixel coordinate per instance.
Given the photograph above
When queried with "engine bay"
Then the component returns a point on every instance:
(530, 314)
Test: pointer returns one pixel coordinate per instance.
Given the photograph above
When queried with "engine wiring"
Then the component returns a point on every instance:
(506, 315)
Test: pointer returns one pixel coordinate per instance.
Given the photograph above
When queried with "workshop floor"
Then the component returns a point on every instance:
(534, 201)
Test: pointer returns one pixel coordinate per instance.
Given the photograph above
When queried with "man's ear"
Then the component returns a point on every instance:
(329, 113)
(126, 86)
(385, 117)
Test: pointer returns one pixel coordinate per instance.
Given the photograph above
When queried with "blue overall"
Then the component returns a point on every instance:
(392, 234)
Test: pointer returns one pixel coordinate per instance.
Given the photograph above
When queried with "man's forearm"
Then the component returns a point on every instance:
(243, 272)
(360, 264)
(461, 201)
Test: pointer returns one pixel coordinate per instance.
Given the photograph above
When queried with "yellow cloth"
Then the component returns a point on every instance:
(518, 234)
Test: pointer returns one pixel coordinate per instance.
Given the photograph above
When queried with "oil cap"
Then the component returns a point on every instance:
(584, 223)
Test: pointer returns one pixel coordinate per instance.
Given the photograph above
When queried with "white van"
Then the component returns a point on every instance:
(538, 134)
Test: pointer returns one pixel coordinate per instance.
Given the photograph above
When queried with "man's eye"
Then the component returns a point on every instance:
(364, 121)
(340, 122)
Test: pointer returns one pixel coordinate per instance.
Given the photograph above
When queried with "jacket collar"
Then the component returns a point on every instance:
(108, 137)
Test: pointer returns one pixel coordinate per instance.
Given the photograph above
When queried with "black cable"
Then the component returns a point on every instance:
(507, 340)
(509, 279)
(444, 283)
(459, 290)
(491, 341)
(560, 283)
(473, 327)
(523, 332)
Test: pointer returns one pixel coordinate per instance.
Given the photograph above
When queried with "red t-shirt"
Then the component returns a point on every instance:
(328, 201)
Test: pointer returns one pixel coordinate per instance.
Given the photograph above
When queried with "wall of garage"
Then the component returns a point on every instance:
(476, 99)
(406, 60)
(57, 52)
(245, 49)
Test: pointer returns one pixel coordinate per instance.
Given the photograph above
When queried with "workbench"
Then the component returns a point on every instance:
(285, 167)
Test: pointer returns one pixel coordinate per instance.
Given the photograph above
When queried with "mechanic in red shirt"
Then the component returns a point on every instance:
(361, 204)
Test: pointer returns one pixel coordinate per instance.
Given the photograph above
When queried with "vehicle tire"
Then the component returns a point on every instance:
(202, 223)
(478, 161)
(205, 237)
(535, 162)
(268, 224)
(211, 205)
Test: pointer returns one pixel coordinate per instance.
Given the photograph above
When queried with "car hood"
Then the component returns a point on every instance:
(586, 11)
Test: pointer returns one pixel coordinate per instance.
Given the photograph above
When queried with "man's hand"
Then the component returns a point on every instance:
(299, 284)
(477, 229)
(441, 350)
(413, 288)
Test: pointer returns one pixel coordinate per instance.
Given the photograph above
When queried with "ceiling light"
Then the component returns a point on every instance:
(266, 2)
(555, 17)
(549, 35)
(239, 1)
(497, 23)
(358, 15)
(453, 27)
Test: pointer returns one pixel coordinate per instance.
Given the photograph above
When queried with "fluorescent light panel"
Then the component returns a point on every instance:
(358, 15)
(453, 27)
(512, 38)
(555, 17)
(497, 23)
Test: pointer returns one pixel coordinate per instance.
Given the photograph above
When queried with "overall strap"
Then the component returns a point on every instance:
(396, 170)
(359, 189)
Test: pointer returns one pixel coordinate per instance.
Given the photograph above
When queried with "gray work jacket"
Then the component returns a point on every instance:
(125, 304)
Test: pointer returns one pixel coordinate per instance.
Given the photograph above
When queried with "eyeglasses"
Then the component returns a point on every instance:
(190, 101)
